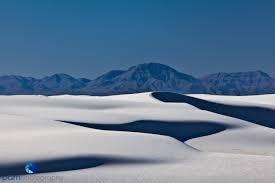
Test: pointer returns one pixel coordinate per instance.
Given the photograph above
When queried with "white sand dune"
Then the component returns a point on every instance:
(147, 137)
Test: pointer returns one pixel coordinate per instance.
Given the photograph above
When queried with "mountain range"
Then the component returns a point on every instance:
(141, 78)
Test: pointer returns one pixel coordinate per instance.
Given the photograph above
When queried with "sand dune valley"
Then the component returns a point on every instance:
(157, 137)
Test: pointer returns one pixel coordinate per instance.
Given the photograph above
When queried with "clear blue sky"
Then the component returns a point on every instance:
(88, 38)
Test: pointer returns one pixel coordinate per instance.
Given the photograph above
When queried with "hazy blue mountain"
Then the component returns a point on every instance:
(50, 85)
(239, 83)
(141, 78)
(58, 84)
(144, 78)
(11, 84)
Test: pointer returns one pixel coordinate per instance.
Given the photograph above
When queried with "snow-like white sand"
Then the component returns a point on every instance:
(139, 138)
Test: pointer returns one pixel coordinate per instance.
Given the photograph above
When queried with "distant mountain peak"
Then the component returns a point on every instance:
(151, 67)
(237, 73)
(239, 83)
(60, 76)
(157, 71)
(143, 78)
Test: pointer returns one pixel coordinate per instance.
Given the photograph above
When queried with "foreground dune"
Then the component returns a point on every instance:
(147, 137)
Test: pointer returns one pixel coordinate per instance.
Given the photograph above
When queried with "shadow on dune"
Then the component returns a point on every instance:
(259, 115)
(71, 163)
(181, 131)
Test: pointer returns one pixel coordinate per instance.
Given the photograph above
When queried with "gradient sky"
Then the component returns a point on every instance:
(88, 38)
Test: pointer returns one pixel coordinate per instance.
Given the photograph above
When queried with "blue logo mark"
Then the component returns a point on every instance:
(30, 168)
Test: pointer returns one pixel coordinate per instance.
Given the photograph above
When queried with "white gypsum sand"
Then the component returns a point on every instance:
(137, 138)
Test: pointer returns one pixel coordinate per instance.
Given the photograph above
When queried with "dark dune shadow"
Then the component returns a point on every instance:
(259, 115)
(71, 163)
(180, 131)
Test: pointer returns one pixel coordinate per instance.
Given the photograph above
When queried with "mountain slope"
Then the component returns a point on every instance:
(239, 83)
